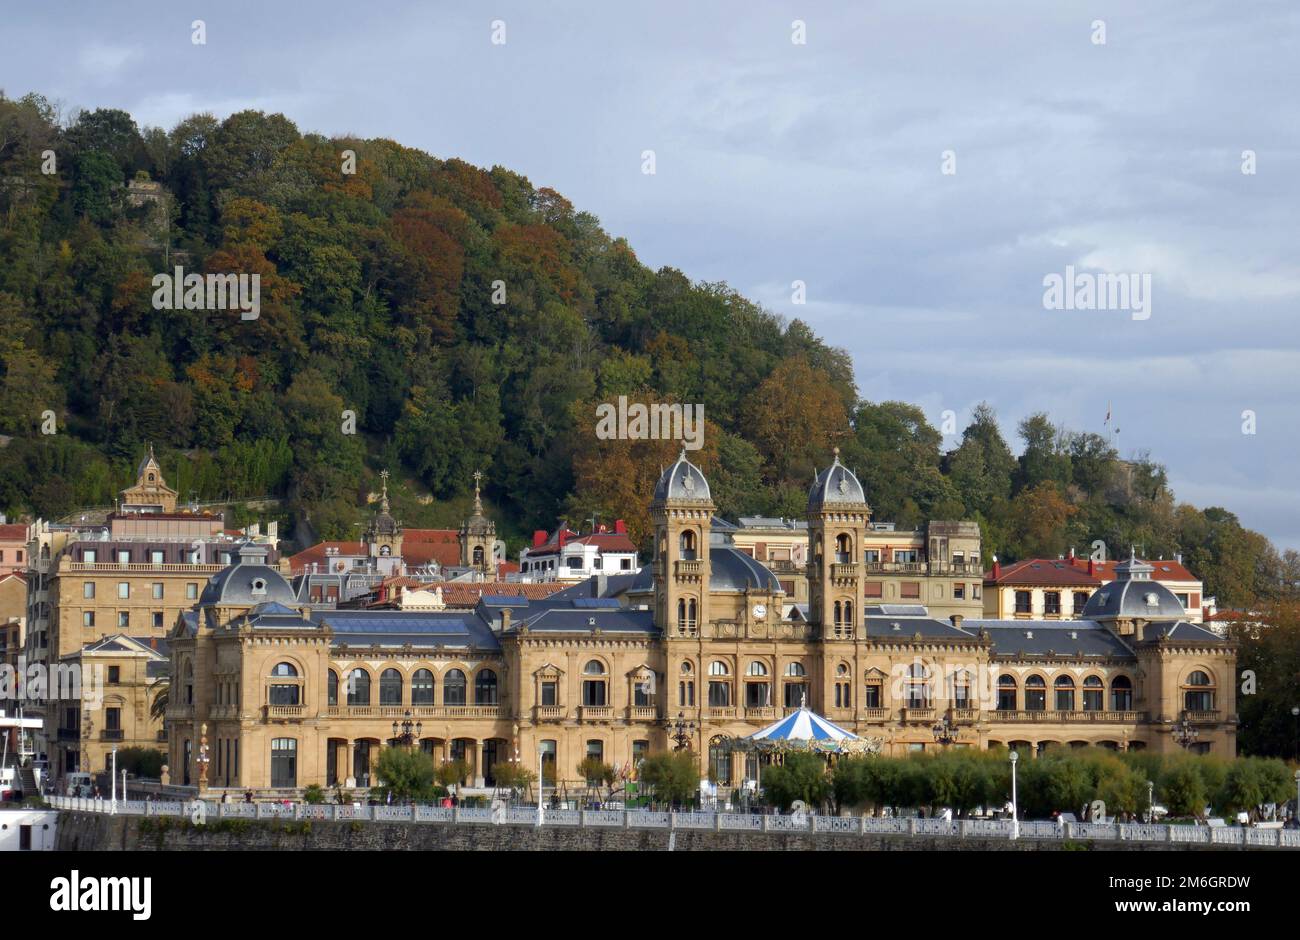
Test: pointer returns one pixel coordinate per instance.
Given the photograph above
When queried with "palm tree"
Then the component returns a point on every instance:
(161, 695)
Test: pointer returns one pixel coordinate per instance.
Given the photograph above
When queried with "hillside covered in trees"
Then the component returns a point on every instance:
(377, 297)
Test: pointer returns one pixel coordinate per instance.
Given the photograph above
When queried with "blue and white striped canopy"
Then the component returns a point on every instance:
(803, 725)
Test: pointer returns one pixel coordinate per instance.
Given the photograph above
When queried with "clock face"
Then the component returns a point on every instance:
(760, 611)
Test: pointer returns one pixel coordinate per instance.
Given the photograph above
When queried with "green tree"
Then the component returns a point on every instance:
(799, 776)
(406, 773)
(673, 777)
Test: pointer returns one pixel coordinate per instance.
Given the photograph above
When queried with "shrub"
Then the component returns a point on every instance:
(406, 774)
(799, 777)
(313, 794)
(673, 777)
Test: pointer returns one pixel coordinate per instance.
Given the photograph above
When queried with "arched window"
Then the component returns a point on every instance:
(390, 687)
(687, 544)
(720, 761)
(719, 685)
(758, 694)
(961, 683)
(187, 683)
(686, 615)
(594, 688)
(795, 669)
(1121, 694)
(485, 687)
(1064, 693)
(285, 693)
(756, 669)
(422, 687)
(1198, 692)
(1094, 692)
(1006, 693)
(453, 688)
(358, 687)
(332, 689)
(918, 686)
(843, 549)
(478, 556)
(1035, 694)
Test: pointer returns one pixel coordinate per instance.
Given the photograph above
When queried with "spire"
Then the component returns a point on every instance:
(478, 502)
(383, 499)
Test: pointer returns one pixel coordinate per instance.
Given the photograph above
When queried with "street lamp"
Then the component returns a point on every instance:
(1297, 794)
(1151, 801)
(1015, 815)
(682, 731)
(1185, 733)
(945, 731)
(406, 734)
(1295, 722)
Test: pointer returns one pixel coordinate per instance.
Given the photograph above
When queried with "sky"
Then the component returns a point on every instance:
(831, 162)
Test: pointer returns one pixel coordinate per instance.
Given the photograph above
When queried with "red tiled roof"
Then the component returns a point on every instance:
(419, 548)
(318, 555)
(1164, 570)
(1045, 571)
(13, 532)
(605, 541)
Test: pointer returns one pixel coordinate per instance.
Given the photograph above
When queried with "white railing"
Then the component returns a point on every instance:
(731, 822)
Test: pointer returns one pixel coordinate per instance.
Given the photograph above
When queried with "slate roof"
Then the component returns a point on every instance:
(906, 627)
(579, 620)
(1039, 637)
(683, 480)
(399, 628)
(836, 485)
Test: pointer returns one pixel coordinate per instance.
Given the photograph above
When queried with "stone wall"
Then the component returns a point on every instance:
(92, 831)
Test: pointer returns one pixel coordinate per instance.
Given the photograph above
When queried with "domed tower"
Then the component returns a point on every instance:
(477, 535)
(384, 535)
(1133, 600)
(682, 510)
(838, 515)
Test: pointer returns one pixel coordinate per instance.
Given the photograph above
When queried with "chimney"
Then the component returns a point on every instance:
(539, 538)
(956, 620)
(1092, 568)
(620, 527)
(505, 619)
(562, 535)
(997, 568)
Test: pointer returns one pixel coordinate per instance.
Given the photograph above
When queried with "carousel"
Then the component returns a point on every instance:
(805, 730)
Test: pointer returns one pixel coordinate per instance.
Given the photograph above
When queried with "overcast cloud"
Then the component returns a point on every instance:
(821, 162)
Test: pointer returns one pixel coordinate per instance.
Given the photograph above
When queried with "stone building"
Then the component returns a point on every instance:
(699, 642)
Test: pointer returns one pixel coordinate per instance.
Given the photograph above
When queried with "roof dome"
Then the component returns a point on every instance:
(836, 485)
(683, 480)
(248, 582)
(732, 570)
(1133, 594)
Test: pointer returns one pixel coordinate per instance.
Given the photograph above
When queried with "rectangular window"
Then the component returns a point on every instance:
(112, 719)
(1052, 602)
(719, 694)
(88, 618)
(191, 592)
(549, 696)
(686, 694)
(593, 692)
(843, 696)
(795, 694)
(871, 696)
(155, 557)
(910, 590)
(1006, 698)
(873, 589)
(975, 592)
(1080, 599)
(157, 592)
(1024, 602)
(124, 589)
(871, 556)
(124, 557)
(639, 750)
(157, 619)
(88, 589)
(114, 675)
(959, 558)
(1196, 601)
(123, 619)
(756, 694)
(284, 762)
(1182, 599)
(88, 556)
(625, 564)
(959, 592)
(905, 556)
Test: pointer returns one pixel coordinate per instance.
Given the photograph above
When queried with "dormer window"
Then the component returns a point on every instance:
(259, 586)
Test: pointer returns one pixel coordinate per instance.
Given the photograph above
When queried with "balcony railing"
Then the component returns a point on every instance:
(688, 569)
(1202, 716)
(844, 572)
(417, 711)
(1048, 717)
(282, 711)
(108, 567)
(69, 734)
(111, 734)
(917, 714)
(595, 712)
(643, 713)
(720, 713)
(550, 712)
(762, 713)
(875, 714)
